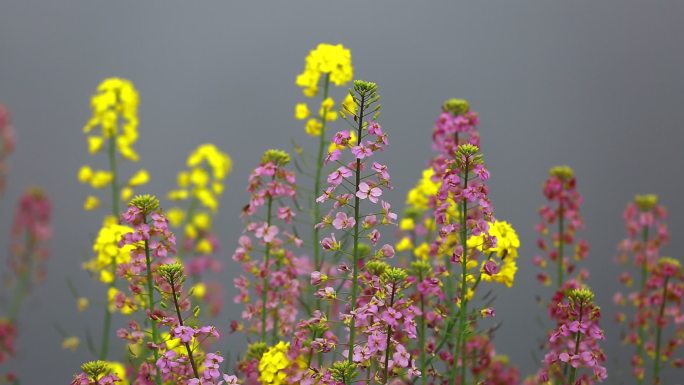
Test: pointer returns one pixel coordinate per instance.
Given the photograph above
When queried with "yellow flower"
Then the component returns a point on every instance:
(71, 343)
(85, 174)
(95, 144)
(107, 251)
(313, 127)
(82, 303)
(422, 251)
(100, 179)
(175, 216)
(115, 110)
(139, 178)
(204, 247)
(419, 196)
(348, 105)
(91, 203)
(326, 111)
(334, 60)
(404, 244)
(126, 194)
(301, 111)
(199, 290)
(507, 241)
(273, 365)
(407, 224)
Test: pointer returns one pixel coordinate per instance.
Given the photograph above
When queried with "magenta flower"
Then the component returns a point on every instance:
(342, 221)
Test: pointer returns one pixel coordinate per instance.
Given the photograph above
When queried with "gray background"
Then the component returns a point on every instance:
(597, 85)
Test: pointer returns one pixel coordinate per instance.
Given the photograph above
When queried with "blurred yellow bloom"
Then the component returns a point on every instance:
(71, 343)
(419, 196)
(404, 244)
(85, 174)
(313, 127)
(95, 144)
(348, 105)
(422, 251)
(139, 178)
(82, 303)
(407, 224)
(301, 111)
(126, 193)
(100, 179)
(91, 203)
(175, 216)
(199, 290)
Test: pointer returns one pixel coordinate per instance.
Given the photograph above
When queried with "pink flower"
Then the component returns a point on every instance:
(330, 243)
(266, 232)
(401, 357)
(374, 129)
(285, 213)
(342, 221)
(361, 151)
(185, 333)
(491, 268)
(366, 191)
(336, 177)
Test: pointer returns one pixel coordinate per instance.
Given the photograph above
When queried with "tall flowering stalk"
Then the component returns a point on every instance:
(198, 193)
(325, 65)
(432, 250)
(6, 144)
(115, 113)
(31, 232)
(560, 220)
(656, 298)
(646, 234)
(272, 188)
(574, 355)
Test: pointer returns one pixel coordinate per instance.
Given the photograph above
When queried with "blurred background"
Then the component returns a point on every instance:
(595, 85)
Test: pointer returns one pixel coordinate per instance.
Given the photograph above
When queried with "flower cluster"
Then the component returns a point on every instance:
(574, 356)
(199, 189)
(646, 234)
(332, 60)
(560, 220)
(96, 373)
(31, 231)
(115, 111)
(271, 184)
(6, 144)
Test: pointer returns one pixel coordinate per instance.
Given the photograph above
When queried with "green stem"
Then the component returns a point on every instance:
(659, 335)
(150, 300)
(180, 322)
(641, 352)
(561, 243)
(24, 280)
(578, 337)
(357, 218)
(389, 337)
(111, 151)
(421, 341)
(264, 289)
(459, 348)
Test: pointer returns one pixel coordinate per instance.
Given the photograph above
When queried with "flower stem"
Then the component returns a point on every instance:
(659, 336)
(150, 300)
(421, 341)
(180, 322)
(267, 257)
(459, 348)
(561, 241)
(317, 182)
(357, 218)
(24, 280)
(389, 337)
(578, 337)
(641, 352)
(115, 212)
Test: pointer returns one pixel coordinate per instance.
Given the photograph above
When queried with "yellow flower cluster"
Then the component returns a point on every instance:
(335, 62)
(273, 365)
(115, 111)
(203, 185)
(419, 196)
(507, 245)
(107, 251)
